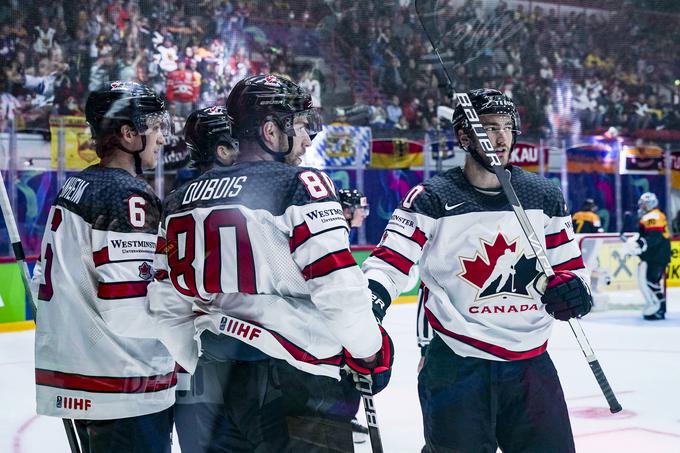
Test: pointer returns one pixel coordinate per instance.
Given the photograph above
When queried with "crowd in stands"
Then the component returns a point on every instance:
(587, 70)
(192, 52)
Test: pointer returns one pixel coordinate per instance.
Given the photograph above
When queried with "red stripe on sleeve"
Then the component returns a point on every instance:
(303, 356)
(489, 348)
(571, 265)
(160, 245)
(122, 290)
(300, 234)
(419, 237)
(105, 384)
(329, 263)
(555, 240)
(394, 259)
(101, 257)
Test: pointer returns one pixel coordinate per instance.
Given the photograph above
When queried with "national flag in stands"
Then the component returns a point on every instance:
(396, 153)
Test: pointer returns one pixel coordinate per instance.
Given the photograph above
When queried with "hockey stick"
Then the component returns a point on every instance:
(18, 250)
(364, 385)
(503, 177)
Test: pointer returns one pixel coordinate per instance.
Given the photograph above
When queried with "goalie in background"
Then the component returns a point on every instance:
(586, 220)
(653, 246)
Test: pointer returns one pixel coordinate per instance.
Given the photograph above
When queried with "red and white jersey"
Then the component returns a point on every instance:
(90, 289)
(183, 86)
(477, 268)
(261, 251)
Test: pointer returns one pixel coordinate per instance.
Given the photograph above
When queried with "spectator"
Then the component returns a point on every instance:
(394, 112)
(183, 89)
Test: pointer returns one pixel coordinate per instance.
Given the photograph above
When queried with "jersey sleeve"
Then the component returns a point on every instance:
(171, 311)
(561, 246)
(123, 242)
(403, 241)
(319, 245)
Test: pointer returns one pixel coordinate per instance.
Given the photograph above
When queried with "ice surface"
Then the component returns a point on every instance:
(641, 360)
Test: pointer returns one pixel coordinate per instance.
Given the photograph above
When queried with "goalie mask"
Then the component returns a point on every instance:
(486, 101)
(125, 103)
(204, 131)
(258, 99)
(646, 203)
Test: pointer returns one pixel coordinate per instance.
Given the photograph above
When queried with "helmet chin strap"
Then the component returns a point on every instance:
(136, 154)
(472, 150)
(278, 156)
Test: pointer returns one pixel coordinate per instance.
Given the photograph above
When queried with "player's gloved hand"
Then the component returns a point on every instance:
(634, 246)
(567, 296)
(379, 367)
(380, 299)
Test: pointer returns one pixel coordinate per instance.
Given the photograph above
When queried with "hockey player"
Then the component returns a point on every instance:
(653, 246)
(355, 209)
(355, 206)
(199, 412)
(487, 380)
(586, 220)
(260, 249)
(91, 281)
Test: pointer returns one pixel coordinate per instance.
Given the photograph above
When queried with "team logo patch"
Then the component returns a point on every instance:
(500, 268)
(215, 110)
(145, 271)
(272, 81)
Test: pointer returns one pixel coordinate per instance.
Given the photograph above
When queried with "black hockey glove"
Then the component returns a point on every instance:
(380, 298)
(379, 369)
(566, 296)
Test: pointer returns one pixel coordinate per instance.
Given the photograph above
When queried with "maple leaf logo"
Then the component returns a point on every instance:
(272, 81)
(145, 271)
(501, 267)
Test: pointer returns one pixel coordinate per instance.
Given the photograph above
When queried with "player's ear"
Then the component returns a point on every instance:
(127, 132)
(463, 139)
(269, 130)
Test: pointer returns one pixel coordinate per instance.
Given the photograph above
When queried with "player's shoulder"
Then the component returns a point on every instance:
(653, 217)
(427, 198)
(311, 186)
(538, 192)
(111, 199)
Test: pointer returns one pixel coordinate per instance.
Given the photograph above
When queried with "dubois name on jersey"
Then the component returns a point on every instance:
(479, 273)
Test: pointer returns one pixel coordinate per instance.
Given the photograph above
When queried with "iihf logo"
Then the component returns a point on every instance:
(500, 269)
(59, 402)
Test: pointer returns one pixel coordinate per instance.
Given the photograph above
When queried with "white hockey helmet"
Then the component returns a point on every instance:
(647, 202)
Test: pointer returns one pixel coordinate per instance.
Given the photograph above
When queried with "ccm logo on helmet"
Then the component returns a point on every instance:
(478, 129)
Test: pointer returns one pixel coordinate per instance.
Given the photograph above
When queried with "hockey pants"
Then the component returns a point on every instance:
(473, 405)
(264, 406)
(150, 433)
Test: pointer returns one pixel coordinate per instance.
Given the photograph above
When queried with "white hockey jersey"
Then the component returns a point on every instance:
(477, 268)
(90, 287)
(260, 251)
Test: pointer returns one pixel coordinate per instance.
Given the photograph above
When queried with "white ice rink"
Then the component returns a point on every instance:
(641, 360)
